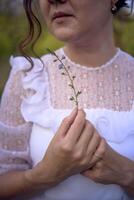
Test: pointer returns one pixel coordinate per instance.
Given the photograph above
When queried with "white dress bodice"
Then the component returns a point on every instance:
(112, 126)
(107, 98)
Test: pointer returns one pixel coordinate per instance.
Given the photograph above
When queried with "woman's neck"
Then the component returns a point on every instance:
(92, 51)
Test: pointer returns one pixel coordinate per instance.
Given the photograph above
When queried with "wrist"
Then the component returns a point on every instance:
(33, 180)
(39, 178)
(128, 174)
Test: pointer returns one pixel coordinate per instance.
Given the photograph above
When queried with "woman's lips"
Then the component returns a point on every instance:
(60, 15)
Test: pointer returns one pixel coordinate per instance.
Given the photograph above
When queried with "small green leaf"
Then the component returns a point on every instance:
(74, 77)
(63, 57)
(63, 73)
(72, 99)
(60, 66)
(78, 93)
(70, 85)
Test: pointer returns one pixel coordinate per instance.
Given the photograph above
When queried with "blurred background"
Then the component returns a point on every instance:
(13, 26)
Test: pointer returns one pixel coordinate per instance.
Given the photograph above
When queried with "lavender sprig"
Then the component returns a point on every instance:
(67, 73)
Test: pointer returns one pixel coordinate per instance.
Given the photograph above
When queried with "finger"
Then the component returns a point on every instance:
(93, 144)
(67, 122)
(76, 128)
(96, 158)
(98, 155)
(93, 172)
(86, 136)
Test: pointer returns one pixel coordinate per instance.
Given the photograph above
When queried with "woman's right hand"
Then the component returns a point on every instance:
(73, 149)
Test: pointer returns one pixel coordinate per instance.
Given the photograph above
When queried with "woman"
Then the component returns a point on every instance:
(87, 154)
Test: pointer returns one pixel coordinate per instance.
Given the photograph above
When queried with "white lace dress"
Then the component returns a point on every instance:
(107, 97)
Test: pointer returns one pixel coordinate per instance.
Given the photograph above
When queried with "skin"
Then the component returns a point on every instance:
(76, 146)
(113, 168)
(85, 40)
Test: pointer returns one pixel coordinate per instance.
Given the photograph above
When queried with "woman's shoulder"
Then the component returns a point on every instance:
(34, 81)
(127, 59)
(22, 63)
(52, 56)
(126, 63)
(47, 58)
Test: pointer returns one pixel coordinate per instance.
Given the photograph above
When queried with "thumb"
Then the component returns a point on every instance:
(67, 122)
(73, 114)
(89, 173)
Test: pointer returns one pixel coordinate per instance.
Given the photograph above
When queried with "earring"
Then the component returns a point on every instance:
(114, 8)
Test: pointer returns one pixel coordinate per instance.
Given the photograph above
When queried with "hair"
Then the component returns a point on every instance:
(35, 29)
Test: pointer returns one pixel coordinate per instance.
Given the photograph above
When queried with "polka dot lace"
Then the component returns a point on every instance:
(108, 86)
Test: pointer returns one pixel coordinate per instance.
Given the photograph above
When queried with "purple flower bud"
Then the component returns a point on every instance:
(63, 57)
(60, 66)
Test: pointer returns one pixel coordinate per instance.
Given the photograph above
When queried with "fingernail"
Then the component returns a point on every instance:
(81, 109)
(74, 110)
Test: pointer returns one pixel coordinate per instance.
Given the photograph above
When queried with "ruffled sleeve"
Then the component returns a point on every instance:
(37, 101)
(14, 130)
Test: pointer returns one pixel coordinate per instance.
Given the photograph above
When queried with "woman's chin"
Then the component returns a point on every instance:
(63, 34)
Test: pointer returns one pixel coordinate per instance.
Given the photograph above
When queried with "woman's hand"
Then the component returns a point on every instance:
(70, 151)
(113, 168)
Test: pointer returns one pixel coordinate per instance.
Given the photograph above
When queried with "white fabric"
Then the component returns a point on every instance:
(117, 127)
(108, 86)
(111, 125)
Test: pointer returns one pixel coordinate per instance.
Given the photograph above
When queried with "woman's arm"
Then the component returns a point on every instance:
(14, 136)
(15, 184)
(129, 176)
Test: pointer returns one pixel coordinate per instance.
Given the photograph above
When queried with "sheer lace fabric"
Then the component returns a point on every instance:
(110, 86)
(14, 131)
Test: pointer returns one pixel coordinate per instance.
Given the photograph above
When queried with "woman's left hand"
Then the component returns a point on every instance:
(112, 168)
